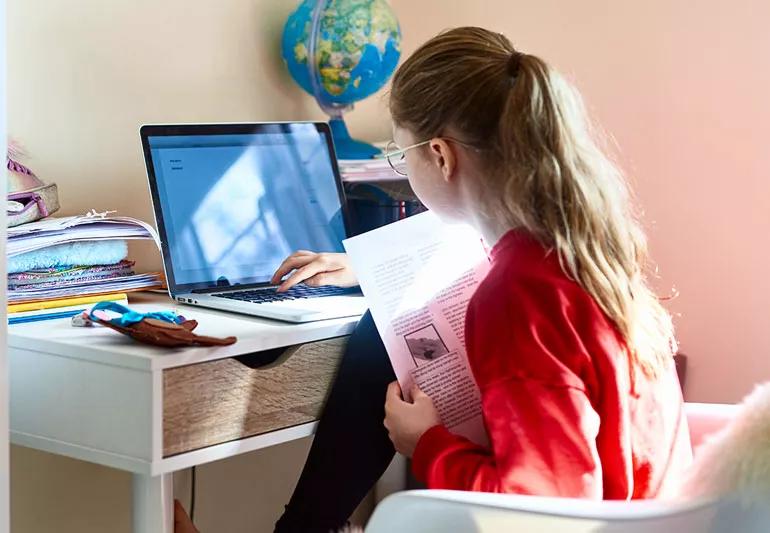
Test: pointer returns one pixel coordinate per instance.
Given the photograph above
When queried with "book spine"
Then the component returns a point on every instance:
(64, 302)
(56, 310)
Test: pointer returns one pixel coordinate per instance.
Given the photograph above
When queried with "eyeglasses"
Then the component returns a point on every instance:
(397, 156)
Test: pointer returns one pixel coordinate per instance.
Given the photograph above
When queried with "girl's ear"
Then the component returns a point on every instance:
(444, 158)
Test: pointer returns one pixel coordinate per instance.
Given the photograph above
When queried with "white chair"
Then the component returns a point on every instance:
(441, 511)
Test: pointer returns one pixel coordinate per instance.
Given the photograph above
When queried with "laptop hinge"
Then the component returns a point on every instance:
(224, 288)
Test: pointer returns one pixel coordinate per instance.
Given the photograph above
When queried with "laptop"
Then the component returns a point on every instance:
(232, 201)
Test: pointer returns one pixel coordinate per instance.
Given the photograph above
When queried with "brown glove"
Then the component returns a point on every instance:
(159, 333)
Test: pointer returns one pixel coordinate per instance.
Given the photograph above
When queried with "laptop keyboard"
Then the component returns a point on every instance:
(298, 292)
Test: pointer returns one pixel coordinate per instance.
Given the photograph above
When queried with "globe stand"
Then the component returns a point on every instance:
(347, 147)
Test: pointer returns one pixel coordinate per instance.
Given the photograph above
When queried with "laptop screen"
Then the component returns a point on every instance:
(231, 206)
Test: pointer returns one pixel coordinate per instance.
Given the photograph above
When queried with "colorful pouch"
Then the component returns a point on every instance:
(29, 199)
(164, 328)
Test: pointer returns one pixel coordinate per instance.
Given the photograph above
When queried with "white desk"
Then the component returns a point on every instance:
(95, 395)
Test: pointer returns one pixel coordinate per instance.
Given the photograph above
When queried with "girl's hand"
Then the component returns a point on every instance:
(315, 270)
(406, 422)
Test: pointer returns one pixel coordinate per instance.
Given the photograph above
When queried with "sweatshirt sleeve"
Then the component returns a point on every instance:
(541, 424)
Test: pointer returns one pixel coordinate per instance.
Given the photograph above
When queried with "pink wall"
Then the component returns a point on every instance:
(683, 88)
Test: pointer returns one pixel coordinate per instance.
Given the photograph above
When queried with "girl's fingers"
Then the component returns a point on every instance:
(417, 393)
(320, 279)
(394, 392)
(314, 269)
(392, 397)
(300, 275)
(292, 262)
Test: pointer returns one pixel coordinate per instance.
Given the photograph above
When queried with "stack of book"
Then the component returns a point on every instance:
(58, 267)
(367, 171)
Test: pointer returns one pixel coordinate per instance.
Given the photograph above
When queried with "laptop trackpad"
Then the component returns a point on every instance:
(326, 305)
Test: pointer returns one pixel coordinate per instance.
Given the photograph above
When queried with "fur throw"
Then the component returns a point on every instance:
(736, 459)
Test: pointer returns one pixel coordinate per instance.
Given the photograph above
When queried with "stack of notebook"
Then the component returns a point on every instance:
(367, 170)
(59, 266)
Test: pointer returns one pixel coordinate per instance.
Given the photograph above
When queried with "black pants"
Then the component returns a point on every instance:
(351, 449)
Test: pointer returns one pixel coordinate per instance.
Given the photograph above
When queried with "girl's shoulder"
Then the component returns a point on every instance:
(522, 267)
(528, 289)
(541, 324)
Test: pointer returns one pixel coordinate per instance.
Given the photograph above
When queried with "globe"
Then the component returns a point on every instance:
(342, 51)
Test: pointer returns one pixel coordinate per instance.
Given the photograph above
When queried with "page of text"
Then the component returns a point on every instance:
(418, 276)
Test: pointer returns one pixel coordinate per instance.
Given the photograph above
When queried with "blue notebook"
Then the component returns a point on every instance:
(44, 316)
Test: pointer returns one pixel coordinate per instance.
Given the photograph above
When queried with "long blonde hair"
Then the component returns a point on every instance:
(545, 170)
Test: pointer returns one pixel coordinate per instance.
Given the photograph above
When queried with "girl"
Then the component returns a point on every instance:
(570, 348)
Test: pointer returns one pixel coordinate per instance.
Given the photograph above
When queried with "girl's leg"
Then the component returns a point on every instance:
(351, 449)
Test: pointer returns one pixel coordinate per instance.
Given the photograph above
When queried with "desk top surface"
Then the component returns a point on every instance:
(103, 345)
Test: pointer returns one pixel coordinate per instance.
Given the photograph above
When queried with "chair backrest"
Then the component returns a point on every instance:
(439, 511)
(704, 419)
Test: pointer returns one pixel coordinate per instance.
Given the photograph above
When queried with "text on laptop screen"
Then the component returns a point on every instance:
(236, 205)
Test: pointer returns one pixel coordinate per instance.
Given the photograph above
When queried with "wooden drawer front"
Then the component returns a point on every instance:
(224, 400)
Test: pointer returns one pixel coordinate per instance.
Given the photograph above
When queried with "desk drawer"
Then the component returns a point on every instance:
(224, 400)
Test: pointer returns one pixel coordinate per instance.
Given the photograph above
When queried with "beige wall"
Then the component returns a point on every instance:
(681, 87)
